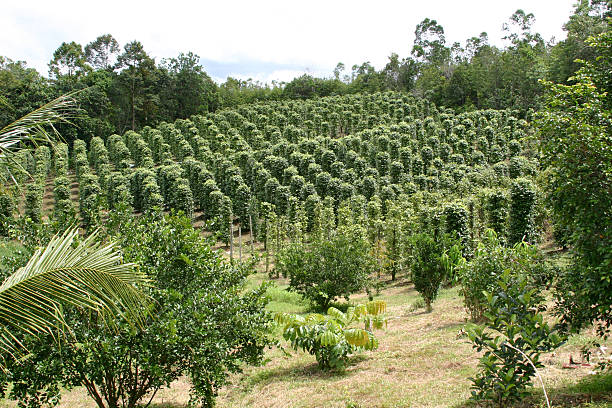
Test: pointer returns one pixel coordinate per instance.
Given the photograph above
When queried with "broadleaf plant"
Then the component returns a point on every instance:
(333, 337)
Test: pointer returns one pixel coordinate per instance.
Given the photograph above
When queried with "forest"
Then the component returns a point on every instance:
(434, 233)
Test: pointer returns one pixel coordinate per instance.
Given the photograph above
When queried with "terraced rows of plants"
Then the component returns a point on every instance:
(277, 166)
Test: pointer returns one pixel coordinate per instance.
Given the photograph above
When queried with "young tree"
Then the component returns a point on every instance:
(202, 325)
(576, 142)
(332, 267)
(428, 271)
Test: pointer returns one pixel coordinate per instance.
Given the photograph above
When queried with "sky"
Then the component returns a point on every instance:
(263, 40)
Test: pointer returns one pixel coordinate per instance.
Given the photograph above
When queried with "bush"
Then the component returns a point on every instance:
(330, 337)
(523, 196)
(457, 223)
(428, 268)
(89, 201)
(330, 268)
(60, 159)
(118, 191)
(7, 207)
(181, 198)
(204, 327)
(34, 202)
(497, 212)
(490, 261)
(64, 213)
(513, 338)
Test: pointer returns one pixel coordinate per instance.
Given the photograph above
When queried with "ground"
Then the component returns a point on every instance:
(424, 360)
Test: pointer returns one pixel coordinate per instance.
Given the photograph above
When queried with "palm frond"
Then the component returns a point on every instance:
(89, 275)
(35, 128)
(33, 125)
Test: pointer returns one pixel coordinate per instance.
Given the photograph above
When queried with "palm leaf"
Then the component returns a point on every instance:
(87, 275)
(35, 127)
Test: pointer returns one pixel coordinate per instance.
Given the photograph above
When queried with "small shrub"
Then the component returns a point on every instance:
(7, 207)
(428, 270)
(497, 212)
(338, 266)
(512, 338)
(457, 222)
(34, 202)
(490, 261)
(332, 337)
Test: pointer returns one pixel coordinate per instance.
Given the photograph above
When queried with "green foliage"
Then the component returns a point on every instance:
(34, 202)
(331, 267)
(497, 212)
(575, 130)
(427, 265)
(42, 158)
(204, 327)
(90, 201)
(60, 159)
(513, 337)
(181, 198)
(491, 259)
(7, 208)
(457, 223)
(64, 213)
(118, 191)
(523, 201)
(332, 337)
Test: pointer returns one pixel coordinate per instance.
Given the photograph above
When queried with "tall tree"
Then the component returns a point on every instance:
(137, 74)
(522, 63)
(588, 19)
(430, 43)
(190, 88)
(399, 74)
(101, 52)
(69, 61)
(22, 90)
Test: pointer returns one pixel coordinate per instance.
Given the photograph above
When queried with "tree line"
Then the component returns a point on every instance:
(124, 88)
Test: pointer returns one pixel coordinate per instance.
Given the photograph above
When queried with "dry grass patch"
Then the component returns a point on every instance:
(424, 360)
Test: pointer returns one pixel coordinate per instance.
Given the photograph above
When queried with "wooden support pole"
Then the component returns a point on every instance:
(251, 233)
(231, 238)
(240, 241)
(267, 248)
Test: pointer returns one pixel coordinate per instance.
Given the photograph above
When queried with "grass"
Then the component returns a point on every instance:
(424, 360)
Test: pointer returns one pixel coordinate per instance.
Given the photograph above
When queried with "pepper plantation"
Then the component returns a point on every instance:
(329, 201)
(299, 246)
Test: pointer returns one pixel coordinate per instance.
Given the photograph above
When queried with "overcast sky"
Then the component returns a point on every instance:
(264, 40)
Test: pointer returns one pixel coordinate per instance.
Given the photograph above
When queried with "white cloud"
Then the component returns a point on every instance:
(281, 75)
(315, 34)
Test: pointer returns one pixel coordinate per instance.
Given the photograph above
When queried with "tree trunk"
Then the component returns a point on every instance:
(133, 103)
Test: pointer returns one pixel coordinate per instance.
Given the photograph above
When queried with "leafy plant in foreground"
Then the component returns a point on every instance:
(332, 337)
(490, 261)
(205, 325)
(513, 337)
